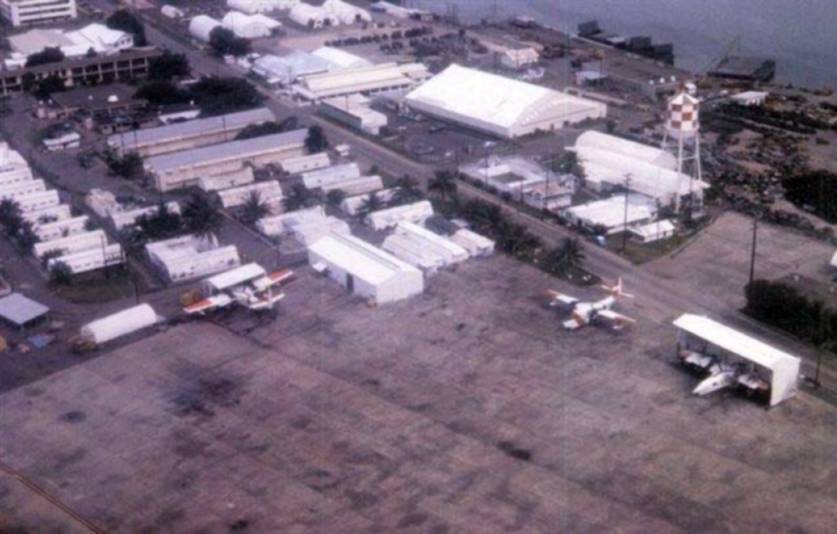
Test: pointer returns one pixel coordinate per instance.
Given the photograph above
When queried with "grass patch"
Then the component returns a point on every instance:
(96, 287)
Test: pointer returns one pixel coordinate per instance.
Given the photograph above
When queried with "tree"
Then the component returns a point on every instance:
(259, 130)
(299, 197)
(218, 96)
(125, 21)
(443, 185)
(224, 42)
(168, 66)
(569, 163)
(60, 273)
(49, 54)
(407, 191)
(201, 217)
(316, 141)
(254, 208)
(335, 197)
(162, 224)
(53, 83)
(373, 202)
(26, 238)
(163, 93)
(291, 123)
(573, 252)
(130, 166)
(10, 214)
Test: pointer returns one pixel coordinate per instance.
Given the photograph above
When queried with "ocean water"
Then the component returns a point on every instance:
(801, 35)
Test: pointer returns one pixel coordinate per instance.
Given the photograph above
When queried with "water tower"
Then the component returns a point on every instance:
(682, 127)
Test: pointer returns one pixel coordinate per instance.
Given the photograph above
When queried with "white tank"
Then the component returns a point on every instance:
(683, 114)
(119, 324)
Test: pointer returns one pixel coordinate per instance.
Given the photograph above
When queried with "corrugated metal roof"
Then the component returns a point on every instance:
(232, 150)
(197, 127)
(20, 310)
(359, 258)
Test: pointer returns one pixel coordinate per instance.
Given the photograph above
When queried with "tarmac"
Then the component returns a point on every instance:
(466, 409)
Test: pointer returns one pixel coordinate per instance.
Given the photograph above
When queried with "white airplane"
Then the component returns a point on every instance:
(244, 286)
(722, 375)
(585, 313)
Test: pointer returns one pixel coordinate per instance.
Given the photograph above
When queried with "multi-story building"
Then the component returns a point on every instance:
(27, 12)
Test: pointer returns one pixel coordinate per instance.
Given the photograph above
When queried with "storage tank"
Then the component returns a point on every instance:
(119, 324)
(683, 115)
(201, 27)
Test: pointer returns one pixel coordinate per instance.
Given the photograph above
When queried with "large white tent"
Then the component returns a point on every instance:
(201, 27)
(246, 26)
(497, 105)
(260, 6)
(119, 324)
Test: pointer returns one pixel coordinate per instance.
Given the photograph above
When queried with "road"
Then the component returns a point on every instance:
(665, 297)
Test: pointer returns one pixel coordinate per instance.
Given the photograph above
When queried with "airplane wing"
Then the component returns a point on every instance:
(560, 297)
(613, 317)
(280, 276)
(208, 304)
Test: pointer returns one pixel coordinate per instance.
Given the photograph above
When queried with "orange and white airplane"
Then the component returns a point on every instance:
(585, 313)
(249, 286)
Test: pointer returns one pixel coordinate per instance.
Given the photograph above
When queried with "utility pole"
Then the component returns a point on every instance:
(625, 227)
(753, 248)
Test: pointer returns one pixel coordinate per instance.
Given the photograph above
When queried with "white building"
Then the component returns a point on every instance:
(340, 59)
(609, 160)
(91, 260)
(277, 225)
(353, 204)
(417, 242)
(200, 27)
(13, 168)
(20, 189)
(73, 44)
(519, 58)
(307, 163)
(475, 244)
(306, 226)
(387, 218)
(498, 105)
(654, 231)
(27, 12)
(613, 214)
(357, 186)
(758, 360)
(188, 135)
(269, 192)
(249, 26)
(330, 175)
(364, 269)
(38, 201)
(126, 219)
(59, 212)
(261, 6)
(225, 181)
(187, 168)
(383, 77)
(750, 98)
(355, 111)
(102, 202)
(119, 324)
(62, 228)
(188, 257)
(72, 244)
(284, 70)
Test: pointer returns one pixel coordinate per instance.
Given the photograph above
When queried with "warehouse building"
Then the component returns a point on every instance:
(72, 244)
(608, 161)
(20, 189)
(612, 215)
(330, 175)
(73, 44)
(58, 212)
(38, 201)
(185, 169)
(310, 162)
(499, 106)
(364, 269)
(188, 257)
(355, 111)
(63, 228)
(364, 80)
(188, 135)
(422, 248)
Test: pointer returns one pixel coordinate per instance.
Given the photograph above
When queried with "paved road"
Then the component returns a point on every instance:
(663, 297)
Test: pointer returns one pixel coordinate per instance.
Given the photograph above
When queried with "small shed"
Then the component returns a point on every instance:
(779, 369)
(654, 231)
(21, 311)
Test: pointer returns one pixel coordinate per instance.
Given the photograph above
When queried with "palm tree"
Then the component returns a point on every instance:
(316, 141)
(569, 163)
(60, 273)
(254, 208)
(335, 197)
(443, 185)
(202, 219)
(299, 198)
(573, 252)
(372, 202)
(407, 191)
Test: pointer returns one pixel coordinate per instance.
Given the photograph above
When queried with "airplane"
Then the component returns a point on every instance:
(723, 375)
(585, 313)
(248, 286)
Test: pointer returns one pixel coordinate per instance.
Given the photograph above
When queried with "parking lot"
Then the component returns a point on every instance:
(466, 409)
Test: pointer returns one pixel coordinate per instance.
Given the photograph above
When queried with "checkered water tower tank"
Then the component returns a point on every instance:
(683, 115)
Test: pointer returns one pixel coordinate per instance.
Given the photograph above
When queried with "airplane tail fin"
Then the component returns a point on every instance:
(617, 290)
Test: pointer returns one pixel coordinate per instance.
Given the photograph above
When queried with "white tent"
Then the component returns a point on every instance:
(498, 105)
(62, 228)
(201, 27)
(417, 213)
(330, 175)
(475, 244)
(119, 324)
(779, 369)
(245, 26)
(261, 6)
